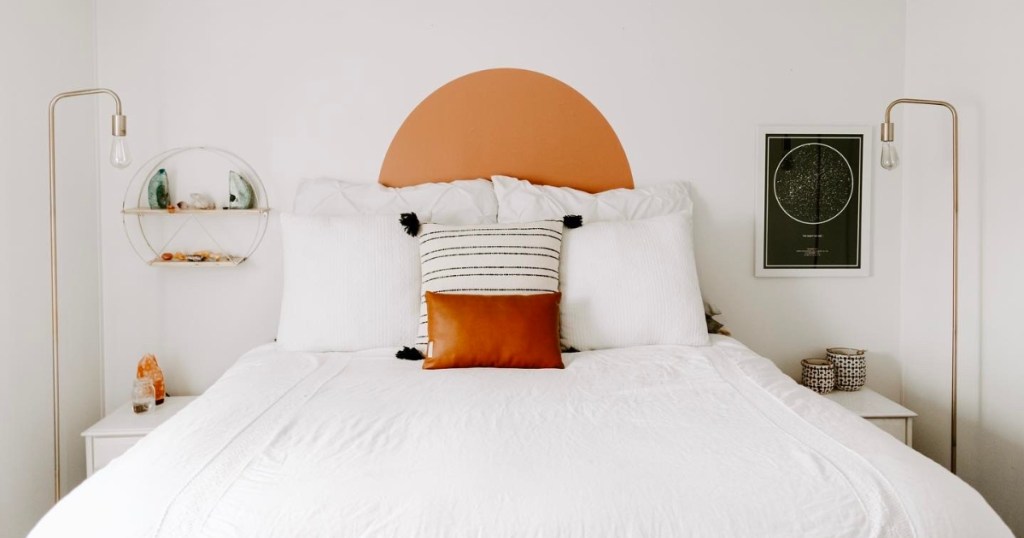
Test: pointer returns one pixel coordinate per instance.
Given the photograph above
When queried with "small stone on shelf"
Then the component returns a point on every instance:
(202, 201)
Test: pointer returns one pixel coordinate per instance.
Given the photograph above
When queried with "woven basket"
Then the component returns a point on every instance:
(818, 375)
(851, 367)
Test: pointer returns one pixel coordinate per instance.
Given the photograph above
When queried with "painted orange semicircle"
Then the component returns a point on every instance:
(507, 122)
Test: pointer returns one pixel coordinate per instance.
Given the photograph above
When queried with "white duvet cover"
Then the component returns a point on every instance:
(649, 441)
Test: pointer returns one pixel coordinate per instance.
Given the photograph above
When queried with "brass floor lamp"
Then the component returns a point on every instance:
(119, 158)
(890, 160)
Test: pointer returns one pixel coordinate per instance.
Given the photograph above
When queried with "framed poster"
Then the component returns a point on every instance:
(814, 193)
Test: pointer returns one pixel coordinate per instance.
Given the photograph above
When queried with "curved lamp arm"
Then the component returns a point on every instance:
(118, 122)
(118, 128)
(888, 134)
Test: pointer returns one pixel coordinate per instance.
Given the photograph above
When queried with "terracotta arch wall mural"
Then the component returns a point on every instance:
(511, 122)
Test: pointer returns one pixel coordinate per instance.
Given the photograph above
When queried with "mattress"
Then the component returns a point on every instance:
(647, 441)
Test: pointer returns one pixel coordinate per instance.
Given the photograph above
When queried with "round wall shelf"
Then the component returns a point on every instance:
(218, 237)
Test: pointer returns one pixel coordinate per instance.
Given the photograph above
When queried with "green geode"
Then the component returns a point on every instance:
(242, 195)
(159, 195)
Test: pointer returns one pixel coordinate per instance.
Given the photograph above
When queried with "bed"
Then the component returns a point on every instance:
(645, 441)
(651, 430)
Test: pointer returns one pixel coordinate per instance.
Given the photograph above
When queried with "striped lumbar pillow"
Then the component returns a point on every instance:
(489, 259)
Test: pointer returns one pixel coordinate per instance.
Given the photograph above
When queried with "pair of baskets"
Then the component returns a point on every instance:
(844, 369)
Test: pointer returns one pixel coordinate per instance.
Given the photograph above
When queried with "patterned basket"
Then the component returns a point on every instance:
(818, 375)
(851, 367)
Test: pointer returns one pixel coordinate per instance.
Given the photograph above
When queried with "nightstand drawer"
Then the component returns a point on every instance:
(105, 449)
(897, 427)
(121, 429)
(888, 415)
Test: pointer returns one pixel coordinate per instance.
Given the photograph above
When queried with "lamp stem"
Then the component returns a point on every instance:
(956, 254)
(53, 309)
(54, 319)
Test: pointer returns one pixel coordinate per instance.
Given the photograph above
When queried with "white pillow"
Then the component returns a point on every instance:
(350, 283)
(465, 201)
(631, 283)
(494, 259)
(522, 201)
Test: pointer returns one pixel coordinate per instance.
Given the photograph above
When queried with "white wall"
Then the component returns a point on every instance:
(45, 48)
(967, 53)
(319, 88)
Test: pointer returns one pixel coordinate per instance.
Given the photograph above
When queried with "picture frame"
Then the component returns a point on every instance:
(813, 216)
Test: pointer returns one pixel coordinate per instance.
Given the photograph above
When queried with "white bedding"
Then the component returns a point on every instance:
(648, 441)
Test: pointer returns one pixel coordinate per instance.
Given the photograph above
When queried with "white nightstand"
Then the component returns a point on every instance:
(118, 431)
(878, 410)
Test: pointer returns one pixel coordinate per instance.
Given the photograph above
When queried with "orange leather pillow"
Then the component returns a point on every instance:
(500, 331)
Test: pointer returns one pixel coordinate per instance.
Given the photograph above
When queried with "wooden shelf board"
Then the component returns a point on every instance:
(231, 262)
(145, 211)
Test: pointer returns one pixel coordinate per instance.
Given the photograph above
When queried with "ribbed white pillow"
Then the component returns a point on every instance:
(522, 201)
(350, 283)
(631, 283)
(464, 201)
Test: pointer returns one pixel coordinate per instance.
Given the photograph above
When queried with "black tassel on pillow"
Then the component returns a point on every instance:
(411, 223)
(572, 221)
(409, 353)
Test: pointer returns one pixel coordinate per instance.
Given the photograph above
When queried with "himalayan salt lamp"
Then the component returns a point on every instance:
(149, 368)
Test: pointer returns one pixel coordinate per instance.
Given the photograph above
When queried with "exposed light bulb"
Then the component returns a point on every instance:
(890, 157)
(120, 157)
